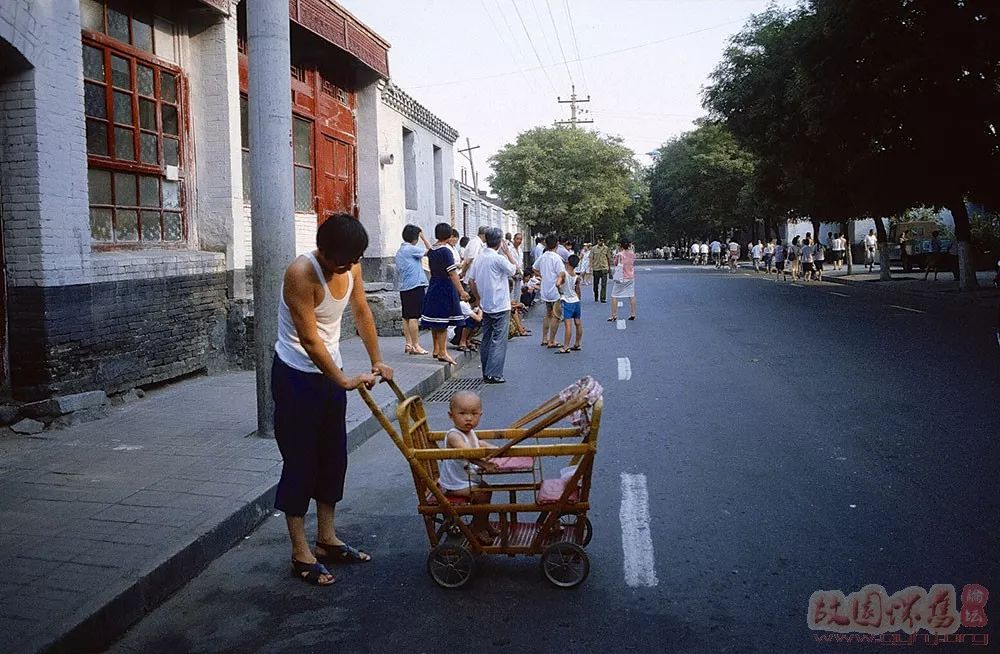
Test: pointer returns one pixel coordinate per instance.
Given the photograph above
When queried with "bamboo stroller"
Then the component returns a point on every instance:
(546, 517)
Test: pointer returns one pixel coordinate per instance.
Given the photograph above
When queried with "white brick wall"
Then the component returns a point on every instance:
(46, 226)
(150, 264)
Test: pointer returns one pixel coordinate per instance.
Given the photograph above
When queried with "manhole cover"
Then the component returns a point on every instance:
(453, 386)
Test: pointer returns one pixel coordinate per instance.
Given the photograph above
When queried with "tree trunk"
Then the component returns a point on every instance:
(817, 224)
(963, 237)
(883, 250)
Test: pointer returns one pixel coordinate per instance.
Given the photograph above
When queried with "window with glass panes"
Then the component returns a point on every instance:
(302, 159)
(134, 114)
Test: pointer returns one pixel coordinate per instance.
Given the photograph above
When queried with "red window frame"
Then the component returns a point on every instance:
(169, 111)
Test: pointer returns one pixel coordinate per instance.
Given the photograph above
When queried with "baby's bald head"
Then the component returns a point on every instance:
(464, 400)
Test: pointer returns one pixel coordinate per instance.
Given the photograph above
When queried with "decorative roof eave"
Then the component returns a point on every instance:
(221, 6)
(337, 26)
(399, 100)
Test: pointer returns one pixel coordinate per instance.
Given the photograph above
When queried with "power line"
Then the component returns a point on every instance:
(552, 18)
(599, 55)
(576, 45)
(510, 49)
(531, 43)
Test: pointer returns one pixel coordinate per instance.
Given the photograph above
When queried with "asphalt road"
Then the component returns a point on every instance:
(792, 439)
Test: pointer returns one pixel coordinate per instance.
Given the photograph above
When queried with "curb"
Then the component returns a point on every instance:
(105, 625)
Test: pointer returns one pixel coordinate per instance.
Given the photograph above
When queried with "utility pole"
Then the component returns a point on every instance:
(467, 153)
(271, 188)
(572, 102)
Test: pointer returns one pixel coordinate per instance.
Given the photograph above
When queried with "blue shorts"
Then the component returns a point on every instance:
(571, 310)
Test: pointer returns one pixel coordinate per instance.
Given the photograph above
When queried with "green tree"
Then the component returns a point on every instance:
(564, 180)
(868, 108)
(703, 184)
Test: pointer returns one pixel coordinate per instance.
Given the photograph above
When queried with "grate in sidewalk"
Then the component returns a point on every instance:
(454, 385)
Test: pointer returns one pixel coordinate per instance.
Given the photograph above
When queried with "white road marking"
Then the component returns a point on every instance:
(795, 285)
(624, 369)
(896, 306)
(647, 269)
(621, 324)
(637, 545)
(619, 305)
(839, 294)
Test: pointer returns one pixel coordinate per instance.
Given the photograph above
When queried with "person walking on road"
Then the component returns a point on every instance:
(412, 283)
(584, 268)
(757, 255)
(793, 257)
(441, 302)
(871, 248)
(934, 260)
(624, 280)
(600, 264)
(310, 390)
(548, 266)
(569, 295)
(734, 254)
(839, 247)
(779, 259)
(715, 248)
(819, 258)
(490, 279)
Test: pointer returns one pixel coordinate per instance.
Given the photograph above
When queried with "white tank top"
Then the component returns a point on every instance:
(328, 315)
(452, 472)
(568, 289)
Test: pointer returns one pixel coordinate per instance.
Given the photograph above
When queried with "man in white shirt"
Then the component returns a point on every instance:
(471, 250)
(756, 254)
(694, 252)
(490, 279)
(562, 251)
(703, 253)
(538, 249)
(871, 247)
(548, 266)
(715, 248)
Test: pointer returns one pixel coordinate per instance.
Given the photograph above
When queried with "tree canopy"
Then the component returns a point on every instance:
(564, 179)
(702, 184)
(857, 108)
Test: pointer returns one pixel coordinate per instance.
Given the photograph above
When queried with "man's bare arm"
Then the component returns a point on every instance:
(366, 324)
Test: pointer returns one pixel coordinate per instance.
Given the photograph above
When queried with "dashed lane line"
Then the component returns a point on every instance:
(838, 294)
(621, 324)
(624, 369)
(637, 543)
(896, 306)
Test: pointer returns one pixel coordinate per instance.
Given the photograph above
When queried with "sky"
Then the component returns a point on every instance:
(494, 68)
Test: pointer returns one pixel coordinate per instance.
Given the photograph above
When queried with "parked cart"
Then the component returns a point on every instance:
(543, 516)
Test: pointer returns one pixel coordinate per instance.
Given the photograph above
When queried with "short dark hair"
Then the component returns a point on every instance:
(481, 230)
(442, 231)
(508, 236)
(411, 233)
(342, 239)
(454, 233)
(623, 242)
(463, 241)
(493, 237)
(551, 242)
(539, 239)
(573, 260)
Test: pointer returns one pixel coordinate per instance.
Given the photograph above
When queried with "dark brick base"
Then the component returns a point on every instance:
(116, 335)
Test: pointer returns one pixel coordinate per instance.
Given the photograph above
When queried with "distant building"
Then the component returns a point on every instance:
(406, 172)
(471, 209)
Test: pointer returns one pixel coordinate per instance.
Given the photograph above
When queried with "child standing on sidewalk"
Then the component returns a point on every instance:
(568, 284)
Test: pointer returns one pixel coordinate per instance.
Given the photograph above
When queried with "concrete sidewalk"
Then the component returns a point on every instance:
(913, 284)
(102, 521)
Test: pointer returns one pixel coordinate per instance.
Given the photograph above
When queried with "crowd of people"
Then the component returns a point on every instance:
(473, 292)
(801, 259)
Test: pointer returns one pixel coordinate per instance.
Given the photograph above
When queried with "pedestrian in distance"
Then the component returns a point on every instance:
(548, 267)
(757, 255)
(569, 294)
(806, 257)
(584, 268)
(441, 302)
(411, 281)
(819, 258)
(703, 253)
(734, 254)
(624, 279)
(310, 388)
(600, 264)
(793, 258)
(779, 259)
(838, 248)
(871, 249)
(473, 319)
(934, 259)
(490, 280)
(715, 249)
(769, 256)
(905, 250)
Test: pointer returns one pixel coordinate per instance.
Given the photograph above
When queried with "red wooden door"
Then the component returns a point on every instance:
(335, 176)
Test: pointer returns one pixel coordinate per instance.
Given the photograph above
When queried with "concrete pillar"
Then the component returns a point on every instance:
(271, 187)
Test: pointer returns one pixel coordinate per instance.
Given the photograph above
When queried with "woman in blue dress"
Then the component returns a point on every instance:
(441, 307)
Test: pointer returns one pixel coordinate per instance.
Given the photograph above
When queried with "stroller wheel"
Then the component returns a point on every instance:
(565, 565)
(450, 566)
(571, 521)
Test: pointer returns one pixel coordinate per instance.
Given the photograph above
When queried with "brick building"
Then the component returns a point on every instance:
(472, 209)
(125, 219)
